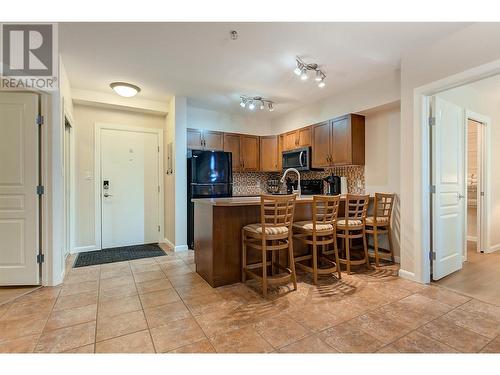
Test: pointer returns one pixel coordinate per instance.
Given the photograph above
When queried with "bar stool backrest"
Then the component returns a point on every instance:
(356, 206)
(277, 211)
(325, 209)
(383, 206)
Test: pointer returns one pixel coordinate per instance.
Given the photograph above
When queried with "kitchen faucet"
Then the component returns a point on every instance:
(298, 182)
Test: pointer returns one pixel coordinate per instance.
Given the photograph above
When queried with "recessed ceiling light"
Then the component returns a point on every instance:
(125, 89)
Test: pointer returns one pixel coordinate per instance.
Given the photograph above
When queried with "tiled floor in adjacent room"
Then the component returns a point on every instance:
(162, 305)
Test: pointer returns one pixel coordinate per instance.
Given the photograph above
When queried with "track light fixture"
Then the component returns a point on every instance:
(250, 102)
(302, 69)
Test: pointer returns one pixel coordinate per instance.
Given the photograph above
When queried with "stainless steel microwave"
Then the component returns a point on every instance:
(299, 159)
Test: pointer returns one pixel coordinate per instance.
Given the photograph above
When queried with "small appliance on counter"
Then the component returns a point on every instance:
(273, 185)
(336, 185)
(307, 187)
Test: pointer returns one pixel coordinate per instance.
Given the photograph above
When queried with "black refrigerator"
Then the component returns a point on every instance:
(209, 175)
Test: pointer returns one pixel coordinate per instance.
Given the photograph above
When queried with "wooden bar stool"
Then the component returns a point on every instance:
(273, 233)
(380, 223)
(353, 226)
(320, 231)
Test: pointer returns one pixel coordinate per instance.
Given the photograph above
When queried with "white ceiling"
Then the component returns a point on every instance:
(200, 61)
(488, 86)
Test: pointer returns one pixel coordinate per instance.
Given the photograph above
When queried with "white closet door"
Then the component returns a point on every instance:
(18, 180)
(448, 177)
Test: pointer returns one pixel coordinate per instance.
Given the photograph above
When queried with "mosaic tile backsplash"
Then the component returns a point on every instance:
(255, 183)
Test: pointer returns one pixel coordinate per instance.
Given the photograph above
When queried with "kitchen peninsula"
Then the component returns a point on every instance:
(217, 234)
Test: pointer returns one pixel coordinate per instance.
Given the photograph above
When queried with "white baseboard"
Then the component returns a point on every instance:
(82, 249)
(472, 238)
(407, 275)
(493, 248)
(181, 248)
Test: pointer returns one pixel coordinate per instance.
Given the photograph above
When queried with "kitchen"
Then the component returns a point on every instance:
(330, 158)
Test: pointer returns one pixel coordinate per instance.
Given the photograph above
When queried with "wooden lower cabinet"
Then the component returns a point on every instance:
(269, 154)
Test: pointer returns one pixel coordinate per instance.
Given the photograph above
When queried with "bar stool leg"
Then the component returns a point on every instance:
(273, 260)
(315, 260)
(375, 245)
(337, 260)
(347, 255)
(264, 272)
(391, 249)
(292, 262)
(244, 256)
(365, 245)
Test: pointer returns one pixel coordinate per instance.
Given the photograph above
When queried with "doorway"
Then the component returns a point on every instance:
(129, 186)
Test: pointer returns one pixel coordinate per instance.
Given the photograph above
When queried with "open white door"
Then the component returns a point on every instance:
(448, 203)
(18, 195)
(130, 187)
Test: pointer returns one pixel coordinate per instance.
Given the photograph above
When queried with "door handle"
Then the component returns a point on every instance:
(300, 158)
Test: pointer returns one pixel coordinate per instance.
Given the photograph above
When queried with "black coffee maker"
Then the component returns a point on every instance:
(333, 187)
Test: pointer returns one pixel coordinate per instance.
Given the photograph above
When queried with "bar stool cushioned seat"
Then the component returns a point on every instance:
(370, 220)
(308, 225)
(257, 228)
(342, 222)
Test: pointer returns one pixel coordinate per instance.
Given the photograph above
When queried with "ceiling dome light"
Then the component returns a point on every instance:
(321, 84)
(251, 106)
(125, 89)
(270, 107)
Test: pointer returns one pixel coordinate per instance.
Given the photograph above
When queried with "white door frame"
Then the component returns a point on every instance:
(72, 183)
(484, 156)
(97, 172)
(421, 161)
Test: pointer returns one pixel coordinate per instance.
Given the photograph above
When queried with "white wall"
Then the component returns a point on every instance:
(463, 50)
(382, 174)
(201, 118)
(483, 103)
(85, 118)
(371, 94)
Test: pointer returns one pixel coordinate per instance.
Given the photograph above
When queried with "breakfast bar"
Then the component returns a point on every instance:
(217, 234)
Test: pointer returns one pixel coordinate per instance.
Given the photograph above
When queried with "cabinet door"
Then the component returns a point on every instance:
(269, 154)
(290, 141)
(321, 145)
(341, 141)
(194, 139)
(249, 147)
(213, 140)
(232, 145)
(304, 137)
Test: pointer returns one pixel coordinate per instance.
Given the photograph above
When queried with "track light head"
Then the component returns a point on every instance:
(251, 105)
(303, 74)
(321, 84)
(270, 106)
(243, 102)
(319, 76)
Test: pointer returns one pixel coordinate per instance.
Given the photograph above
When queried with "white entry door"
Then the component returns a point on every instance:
(129, 187)
(18, 196)
(448, 203)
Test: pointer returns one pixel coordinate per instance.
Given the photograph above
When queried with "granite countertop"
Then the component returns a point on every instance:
(246, 201)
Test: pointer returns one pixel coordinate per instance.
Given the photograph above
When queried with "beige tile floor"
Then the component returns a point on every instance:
(162, 305)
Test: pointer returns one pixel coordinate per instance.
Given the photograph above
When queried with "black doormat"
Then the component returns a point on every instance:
(118, 254)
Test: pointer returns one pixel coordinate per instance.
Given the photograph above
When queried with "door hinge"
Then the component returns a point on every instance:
(432, 121)
(158, 228)
(158, 148)
(432, 189)
(39, 120)
(432, 255)
(40, 189)
(158, 188)
(40, 258)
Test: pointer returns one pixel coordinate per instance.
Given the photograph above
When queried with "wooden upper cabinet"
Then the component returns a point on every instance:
(348, 140)
(232, 145)
(194, 139)
(249, 152)
(198, 139)
(304, 137)
(297, 138)
(269, 154)
(321, 145)
(213, 140)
